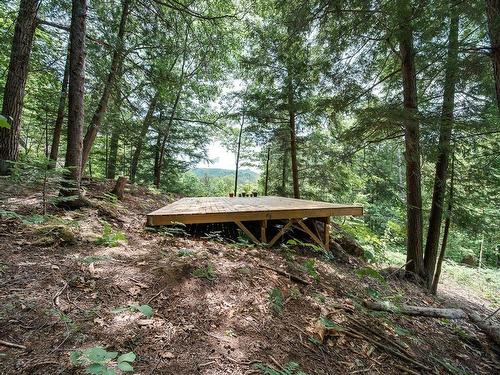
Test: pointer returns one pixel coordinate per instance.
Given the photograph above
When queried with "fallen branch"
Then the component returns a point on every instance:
(11, 345)
(432, 312)
(487, 326)
(356, 334)
(286, 274)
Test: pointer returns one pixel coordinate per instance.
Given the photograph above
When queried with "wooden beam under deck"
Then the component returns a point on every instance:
(210, 210)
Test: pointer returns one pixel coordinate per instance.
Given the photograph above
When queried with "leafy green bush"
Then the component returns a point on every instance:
(310, 267)
(99, 361)
(109, 237)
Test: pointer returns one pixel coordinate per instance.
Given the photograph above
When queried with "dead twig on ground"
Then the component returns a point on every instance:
(55, 299)
(359, 335)
(297, 279)
(12, 345)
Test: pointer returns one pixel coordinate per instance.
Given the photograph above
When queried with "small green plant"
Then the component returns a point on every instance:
(95, 258)
(109, 237)
(319, 297)
(331, 325)
(176, 229)
(310, 268)
(291, 368)
(371, 273)
(185, 252)
(144, 309)
(208, 272)
(276, 300)
(99, 361)
(214, 236)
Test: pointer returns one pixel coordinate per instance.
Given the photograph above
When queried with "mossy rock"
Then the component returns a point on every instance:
(49, 235)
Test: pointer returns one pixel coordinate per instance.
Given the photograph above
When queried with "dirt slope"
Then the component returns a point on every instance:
(217, 310)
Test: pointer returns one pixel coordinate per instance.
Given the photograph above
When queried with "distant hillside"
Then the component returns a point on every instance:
(244, 175)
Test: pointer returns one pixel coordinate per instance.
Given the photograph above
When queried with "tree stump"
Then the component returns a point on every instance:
(119, 188)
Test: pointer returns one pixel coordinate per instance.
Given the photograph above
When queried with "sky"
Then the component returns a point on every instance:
(220, 156)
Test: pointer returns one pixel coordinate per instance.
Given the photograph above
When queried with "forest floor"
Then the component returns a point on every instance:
(217, 309)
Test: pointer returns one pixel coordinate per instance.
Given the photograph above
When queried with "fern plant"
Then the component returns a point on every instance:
(276, 300)
(146, 310)
(109, 237)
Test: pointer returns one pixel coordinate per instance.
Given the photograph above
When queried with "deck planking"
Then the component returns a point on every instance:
(226, 209)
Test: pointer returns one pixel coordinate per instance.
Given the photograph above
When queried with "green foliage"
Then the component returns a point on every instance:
(276, 300)
(371, 273)
(109, 237)
(291, 368)
(310, 267)
(331, 325)
(99, 361)
(146, 310)
(207, 272)
(4, 122)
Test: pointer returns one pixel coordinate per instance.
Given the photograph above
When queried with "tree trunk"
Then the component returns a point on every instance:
(238, 156)
(431, 312)
(293, 142)
(16, 81)
(56, 136)
(412, 143)
(266, 184)
(113, 152)
(440, 176)
(156, 173)
(140, 141)
(75, 102)
(119, 189)
(493, 14)
(101, 109)
(447, 224)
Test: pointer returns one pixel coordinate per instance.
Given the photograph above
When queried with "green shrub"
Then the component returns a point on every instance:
(109, 237)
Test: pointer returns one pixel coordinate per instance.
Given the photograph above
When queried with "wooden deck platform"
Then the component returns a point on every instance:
(261, 209)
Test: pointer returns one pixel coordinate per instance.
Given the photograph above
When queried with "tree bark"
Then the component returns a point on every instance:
(56, 136)
(493, 14)
(101, 109)
(113, 152)
(75, 102)
(16, 81)
(412, 143)
(431, 312)
(157, 159)
(441, 172)
(266, 184)
(293, 142)
(119, 189)
(447, 224)
(238, 156)
(140, 141)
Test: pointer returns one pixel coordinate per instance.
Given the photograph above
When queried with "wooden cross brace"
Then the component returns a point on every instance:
(322, 240)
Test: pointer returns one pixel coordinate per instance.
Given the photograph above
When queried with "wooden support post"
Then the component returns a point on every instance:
(280, 234)
(263, 230)
(247, 232)
(326, 234)
(311, 234)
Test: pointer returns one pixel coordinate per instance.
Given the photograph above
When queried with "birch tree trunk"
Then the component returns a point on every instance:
(16, 81)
